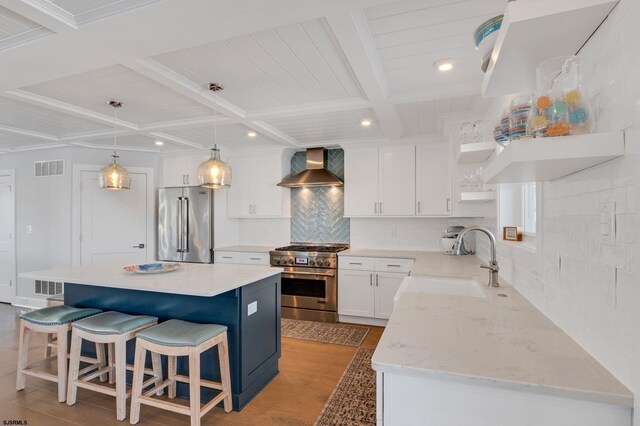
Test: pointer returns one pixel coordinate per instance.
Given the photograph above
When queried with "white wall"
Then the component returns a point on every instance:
(589, 288)
(44, 203)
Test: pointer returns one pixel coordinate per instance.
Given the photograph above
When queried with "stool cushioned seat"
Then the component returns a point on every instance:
(58, 315)
(180, 333)
(113, 323)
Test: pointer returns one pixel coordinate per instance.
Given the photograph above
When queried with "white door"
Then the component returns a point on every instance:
(114, 223)
(355, 293)
(387, 284)
(397, 181)
(361, 182)
(7, 247)
(434, 180)
(240, 195)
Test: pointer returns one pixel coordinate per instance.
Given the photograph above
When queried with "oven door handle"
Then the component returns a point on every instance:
(328, 274)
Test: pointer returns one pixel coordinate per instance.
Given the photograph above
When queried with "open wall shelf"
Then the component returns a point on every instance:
(475, 152)
(533, 31)
(477, 197)
(545, 159)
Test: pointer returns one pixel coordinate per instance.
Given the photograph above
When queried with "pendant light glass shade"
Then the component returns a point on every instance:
(214, 173)
(114, 176)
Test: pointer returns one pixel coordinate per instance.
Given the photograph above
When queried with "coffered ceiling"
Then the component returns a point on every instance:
(295, 73)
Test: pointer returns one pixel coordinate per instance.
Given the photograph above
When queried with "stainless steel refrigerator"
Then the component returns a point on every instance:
(185, 224)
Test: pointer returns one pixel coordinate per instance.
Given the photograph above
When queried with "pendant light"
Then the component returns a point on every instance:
(114, 176)
(214, 173)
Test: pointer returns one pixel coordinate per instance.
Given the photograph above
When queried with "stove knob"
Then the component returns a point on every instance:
(326, 263)
(290, 261)
(312, 262)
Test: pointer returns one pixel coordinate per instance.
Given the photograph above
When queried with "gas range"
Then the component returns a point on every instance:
(309, 280)
(307, 255)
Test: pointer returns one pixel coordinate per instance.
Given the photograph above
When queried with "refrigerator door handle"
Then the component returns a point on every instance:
(185, 224)
(179, 227)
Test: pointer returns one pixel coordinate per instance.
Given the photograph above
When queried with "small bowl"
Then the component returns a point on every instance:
(484, 63)
(487, 28)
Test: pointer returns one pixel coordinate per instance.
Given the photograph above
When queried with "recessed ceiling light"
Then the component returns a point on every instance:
(159, 143)
(443, 65)
(365, 123)
(252, 134)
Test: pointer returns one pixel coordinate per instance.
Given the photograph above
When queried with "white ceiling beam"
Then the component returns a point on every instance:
(110, 148)
(201, 94)
(43, 101)
(42, 13)
(309, 109)
(24, 132)
(186, 123)
(41, 146)
(175, 139)
(354, 38)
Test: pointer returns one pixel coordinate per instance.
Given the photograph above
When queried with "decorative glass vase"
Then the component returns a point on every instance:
(560, 107)
(519, 112)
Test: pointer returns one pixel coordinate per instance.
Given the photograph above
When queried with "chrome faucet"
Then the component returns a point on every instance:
(493, 266)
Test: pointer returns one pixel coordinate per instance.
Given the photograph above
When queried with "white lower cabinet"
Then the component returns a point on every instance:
(366, 286)
(245, 258)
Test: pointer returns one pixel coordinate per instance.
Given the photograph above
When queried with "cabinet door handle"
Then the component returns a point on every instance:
(380, 207)
(419, 207)
(371, 279)
(227, 257)
(255, 258)
(448, 205)
(355, 263)
(183, 182)
(375, 208)
(376, 280)
(394, 266)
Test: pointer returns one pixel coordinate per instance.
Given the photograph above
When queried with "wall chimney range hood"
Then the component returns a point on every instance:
(315, 175)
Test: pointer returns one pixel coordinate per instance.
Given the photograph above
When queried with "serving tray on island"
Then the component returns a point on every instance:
(153, 268)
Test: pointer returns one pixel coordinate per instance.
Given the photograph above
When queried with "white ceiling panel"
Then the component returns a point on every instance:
(411, 35)
(334, 126)
(16, 29)
(230, 135)
(145, 101)
(26, 116)
(141, 142)
(291, 65)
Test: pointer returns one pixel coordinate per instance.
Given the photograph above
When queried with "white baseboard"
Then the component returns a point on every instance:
(28, 302)
(363, 320)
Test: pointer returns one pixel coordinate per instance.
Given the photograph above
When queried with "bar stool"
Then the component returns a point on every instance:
(115, 329)
(181, 338)
(53, 320)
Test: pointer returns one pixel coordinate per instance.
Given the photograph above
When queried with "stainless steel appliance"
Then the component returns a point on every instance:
(309, 280)
(316, 175)
(185, 224)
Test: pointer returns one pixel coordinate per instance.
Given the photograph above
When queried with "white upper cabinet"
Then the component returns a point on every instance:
(181, 171)
(254, 192)
(434, 180)
(380, 181)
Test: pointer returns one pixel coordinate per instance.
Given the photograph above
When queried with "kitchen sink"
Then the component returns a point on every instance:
(440, 285)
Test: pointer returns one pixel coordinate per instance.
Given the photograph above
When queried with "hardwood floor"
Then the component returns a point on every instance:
(309, 372)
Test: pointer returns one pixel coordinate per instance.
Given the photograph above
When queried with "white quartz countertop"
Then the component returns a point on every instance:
(494, 341)
(193, 279)
(246, 249)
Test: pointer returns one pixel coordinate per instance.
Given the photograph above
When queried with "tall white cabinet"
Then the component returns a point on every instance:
(380, 181)
(434, 180)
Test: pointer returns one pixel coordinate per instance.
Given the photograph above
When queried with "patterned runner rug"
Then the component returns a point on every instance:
(353, 402)
(337, 334)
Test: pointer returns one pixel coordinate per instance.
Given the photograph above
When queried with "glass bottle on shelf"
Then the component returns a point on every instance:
(478, 131)
(519, 112)
(466, 132)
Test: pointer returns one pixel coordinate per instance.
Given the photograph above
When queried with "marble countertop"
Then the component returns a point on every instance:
(195, 279)
(494, 341)
(246, 249)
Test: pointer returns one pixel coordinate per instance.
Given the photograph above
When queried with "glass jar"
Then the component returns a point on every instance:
(560, 107)
(519, 117)
(504, 125)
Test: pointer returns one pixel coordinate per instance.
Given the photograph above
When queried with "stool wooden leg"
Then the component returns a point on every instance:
(102, 360)
(61, 335)
(47, 345)
(225, 375)
(138, 377)
(110, 355)
(156, 362)
(194, 386)
(23, 354)
(121, 379)
(74, 367)
(172, 370)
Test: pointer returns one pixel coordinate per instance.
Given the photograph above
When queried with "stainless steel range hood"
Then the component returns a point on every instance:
(315, 175)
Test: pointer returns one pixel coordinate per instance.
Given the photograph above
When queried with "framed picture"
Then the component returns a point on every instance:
(512, 233)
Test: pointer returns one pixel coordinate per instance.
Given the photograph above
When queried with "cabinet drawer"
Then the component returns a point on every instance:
(255, 258)
(393, 265)
(356, 263)
(227, 257)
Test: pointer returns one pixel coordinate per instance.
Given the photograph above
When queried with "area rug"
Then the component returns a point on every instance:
(353, 402)
(337, 334)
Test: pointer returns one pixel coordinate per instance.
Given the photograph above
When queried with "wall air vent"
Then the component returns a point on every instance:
(48, 288)
(49, 168)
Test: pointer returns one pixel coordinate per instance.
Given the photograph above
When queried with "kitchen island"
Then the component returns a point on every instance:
(245, 298)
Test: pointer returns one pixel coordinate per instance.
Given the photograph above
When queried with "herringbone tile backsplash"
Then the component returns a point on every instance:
(317, 214)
